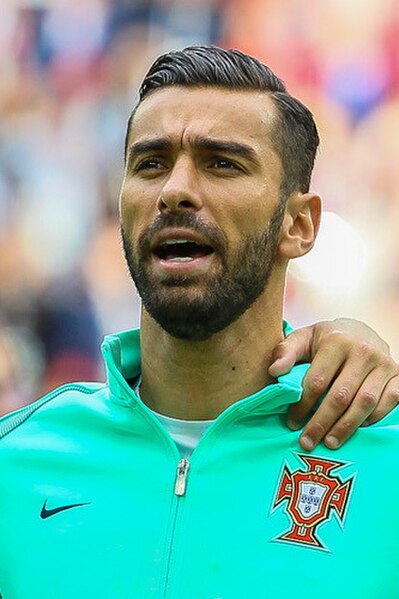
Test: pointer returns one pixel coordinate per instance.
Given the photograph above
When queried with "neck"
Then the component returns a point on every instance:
(197, 380)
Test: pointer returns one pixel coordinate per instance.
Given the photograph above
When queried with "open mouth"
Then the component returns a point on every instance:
(182, 250)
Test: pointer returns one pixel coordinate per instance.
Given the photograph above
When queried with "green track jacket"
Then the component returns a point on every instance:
(96, 502)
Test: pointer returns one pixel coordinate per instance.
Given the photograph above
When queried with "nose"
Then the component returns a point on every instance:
(181, 190)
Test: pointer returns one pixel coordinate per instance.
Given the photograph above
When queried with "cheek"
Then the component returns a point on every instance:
(125, 210)
(137, 208)
(251, 214)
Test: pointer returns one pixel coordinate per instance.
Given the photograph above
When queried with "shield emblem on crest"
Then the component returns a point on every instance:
(310, 498)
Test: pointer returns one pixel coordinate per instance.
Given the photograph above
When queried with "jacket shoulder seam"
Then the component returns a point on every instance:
(12, 421)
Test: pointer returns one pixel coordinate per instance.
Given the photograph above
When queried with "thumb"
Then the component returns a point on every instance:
(294, 348)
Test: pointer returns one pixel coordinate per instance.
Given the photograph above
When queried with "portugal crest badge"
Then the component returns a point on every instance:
(311, 494)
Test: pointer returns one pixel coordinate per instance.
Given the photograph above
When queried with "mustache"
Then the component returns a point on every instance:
(211, 234)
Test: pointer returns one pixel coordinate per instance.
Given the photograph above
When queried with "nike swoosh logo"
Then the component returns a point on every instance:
(45, 513)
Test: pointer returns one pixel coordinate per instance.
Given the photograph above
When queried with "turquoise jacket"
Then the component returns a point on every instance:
(96, 503)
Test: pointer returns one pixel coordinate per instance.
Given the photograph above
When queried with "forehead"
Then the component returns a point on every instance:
(177, 112)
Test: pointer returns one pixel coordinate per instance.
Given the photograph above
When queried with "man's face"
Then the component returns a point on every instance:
(200, 206)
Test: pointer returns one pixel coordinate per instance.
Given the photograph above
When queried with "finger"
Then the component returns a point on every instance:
(363, 405)
(295, 348)
(318, 378)
(323, 371)
(388, 401)
(336, 402)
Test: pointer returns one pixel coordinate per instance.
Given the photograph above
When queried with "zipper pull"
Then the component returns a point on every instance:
(181, 477)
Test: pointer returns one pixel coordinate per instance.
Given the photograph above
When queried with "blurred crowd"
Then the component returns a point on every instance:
(69, 73)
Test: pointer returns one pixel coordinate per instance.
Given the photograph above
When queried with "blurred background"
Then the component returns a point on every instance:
(69, 73)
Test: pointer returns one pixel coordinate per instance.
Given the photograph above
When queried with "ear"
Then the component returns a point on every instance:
(300, 225)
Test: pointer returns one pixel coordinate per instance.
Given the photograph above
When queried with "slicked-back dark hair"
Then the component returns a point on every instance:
(294, 136)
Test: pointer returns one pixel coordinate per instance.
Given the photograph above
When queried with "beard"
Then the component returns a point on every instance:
(196, 307)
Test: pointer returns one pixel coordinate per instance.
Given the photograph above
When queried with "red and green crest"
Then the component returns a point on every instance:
(311, 494)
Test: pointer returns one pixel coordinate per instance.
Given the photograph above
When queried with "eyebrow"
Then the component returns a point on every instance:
(227, 146)
(149, 145)
(200, 143)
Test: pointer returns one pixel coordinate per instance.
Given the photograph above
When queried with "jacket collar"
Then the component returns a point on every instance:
(121, 353)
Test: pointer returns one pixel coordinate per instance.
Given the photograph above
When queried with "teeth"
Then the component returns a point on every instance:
(181, 259)
(173, 241)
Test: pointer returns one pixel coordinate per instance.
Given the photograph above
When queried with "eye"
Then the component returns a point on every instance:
(150, 164)
(225, 164)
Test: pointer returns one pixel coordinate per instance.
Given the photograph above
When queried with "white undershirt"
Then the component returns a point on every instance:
(185, 433)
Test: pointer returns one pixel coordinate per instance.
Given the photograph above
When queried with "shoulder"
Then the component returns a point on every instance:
(63, 402)
(390, 422)
(380, 440)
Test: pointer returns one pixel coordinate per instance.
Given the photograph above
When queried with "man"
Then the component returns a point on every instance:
(178, 478)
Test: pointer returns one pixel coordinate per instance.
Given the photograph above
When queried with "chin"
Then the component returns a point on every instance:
(186, 331)
(195, 318)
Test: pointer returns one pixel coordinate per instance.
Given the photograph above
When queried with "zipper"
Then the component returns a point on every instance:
(181, 477)
(182, 469)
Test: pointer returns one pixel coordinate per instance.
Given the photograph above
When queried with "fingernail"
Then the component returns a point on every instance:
(306, 442)
(366, 423)
(293, 424)
(278, 367)
(332, 442)
(274, 368)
